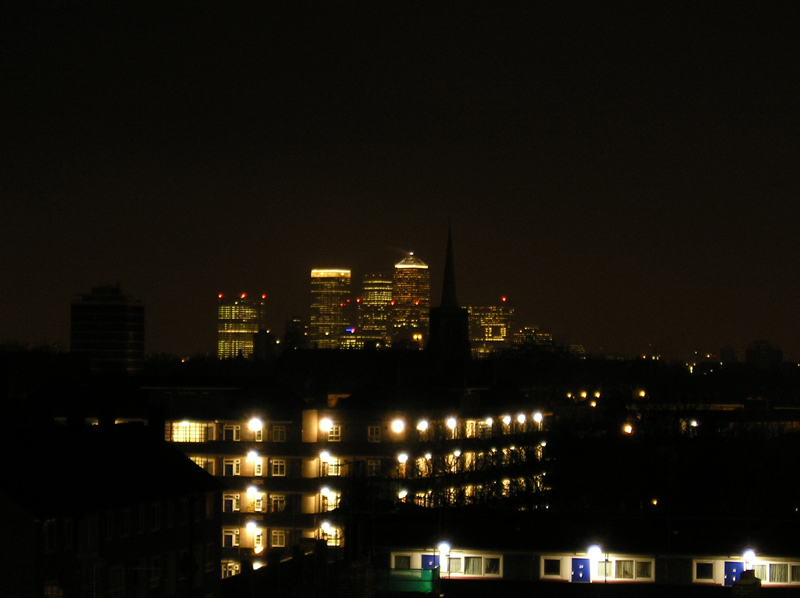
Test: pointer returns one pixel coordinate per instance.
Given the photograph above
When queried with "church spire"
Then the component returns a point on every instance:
(449, 299)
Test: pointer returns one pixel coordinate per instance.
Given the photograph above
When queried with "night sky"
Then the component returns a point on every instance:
(626, 176)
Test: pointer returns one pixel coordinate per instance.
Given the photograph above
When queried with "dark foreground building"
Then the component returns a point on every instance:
(107, 512)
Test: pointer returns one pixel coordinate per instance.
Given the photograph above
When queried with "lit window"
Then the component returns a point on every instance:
(190, 432)
(205, 463)
(259, 435)
(278, 538)
(374, 434)
(277, 503)
(278, 467)
(335, 433)
(454, 565)
(473, 565)
(644, 569)
(779, 573)
(258, 467)
(624, 569)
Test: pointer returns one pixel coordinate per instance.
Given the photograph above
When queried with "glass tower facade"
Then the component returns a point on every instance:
(374, 308)
(330, 326)
(238, 321)
(411, 295)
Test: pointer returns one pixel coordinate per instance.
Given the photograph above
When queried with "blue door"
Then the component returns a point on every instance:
(733, 570)
(580, 570)
(430, 561)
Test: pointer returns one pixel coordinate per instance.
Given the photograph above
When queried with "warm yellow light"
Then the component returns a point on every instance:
(444, 548)
(521, 418)
(252, 492)
(402, 494)
(627, 429)
(506, 419)
(594, 551)
(654, 501)
(402, 457)
(325, 424)
(597, 395)
(456, 453)
(251, 526)
(451, 423)
(324, 491)
(642, 394)
(325, 456)
(428, 456)
(422, 425)
(325, 527)
(593, 404)
(583, 394)
(255, 424)
(488, 421)
(252, 455)
(398, 426)
(256, 564)
(538, 417)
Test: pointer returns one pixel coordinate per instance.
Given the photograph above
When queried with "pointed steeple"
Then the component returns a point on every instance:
(449, 283)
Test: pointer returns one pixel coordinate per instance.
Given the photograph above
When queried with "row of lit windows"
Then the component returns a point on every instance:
(186, 431)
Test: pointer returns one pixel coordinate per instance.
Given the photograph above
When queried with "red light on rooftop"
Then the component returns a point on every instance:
(264, 296)
(504, 298)
(358, 299)
(219, 296)
(244, 295)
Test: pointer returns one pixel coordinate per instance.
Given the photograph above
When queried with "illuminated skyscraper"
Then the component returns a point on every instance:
(411, 294)
(490, 328)
(107, 329)
(330, 326)
(239, 319)
(374, 309)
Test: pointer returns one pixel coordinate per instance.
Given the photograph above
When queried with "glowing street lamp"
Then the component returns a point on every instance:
(325, 424)
(398, 426)
(422, 426)
(255, 424)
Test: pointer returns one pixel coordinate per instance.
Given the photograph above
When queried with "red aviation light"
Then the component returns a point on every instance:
(219, 296)
(504, 298)
(391, 302)
(264, 296)
(416, 302)
(244, 295)
(358, 299)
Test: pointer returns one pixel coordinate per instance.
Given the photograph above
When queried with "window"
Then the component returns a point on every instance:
(552, 567)
(258, 505)
(454, 565)
(644, 569)
(779, 573)
(624, 569)
(229, 569)
(279, 467)
(605, 570)
(796, 573)
(258, 467)
(332, 467)
(232, 433)
(760, 572)
(373, 468)
(374, 434)
(278, 433)
(259, 435)
(473, 565)
(277, 503)
(231, 503)
(230, 537)
(704, 571)
(335, 433)
(190, 432)
(278, 538)
(258, 539)
(402, 561)
(232, 467)
(492, 566)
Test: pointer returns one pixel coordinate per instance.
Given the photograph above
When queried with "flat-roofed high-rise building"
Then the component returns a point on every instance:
(330, 326)
(107, 329)
(374, 310)
(411, 295)
(239, 319)
(490, 328)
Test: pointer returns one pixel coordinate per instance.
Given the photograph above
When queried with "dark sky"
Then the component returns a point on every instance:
(626, 176)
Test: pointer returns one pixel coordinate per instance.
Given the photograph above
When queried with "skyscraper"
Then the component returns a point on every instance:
(490, 328)
(239, 319)
(374, 309)
(411, 294)
(107, 329)
(330, 325)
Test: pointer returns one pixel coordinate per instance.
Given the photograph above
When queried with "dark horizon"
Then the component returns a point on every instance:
(626, 176)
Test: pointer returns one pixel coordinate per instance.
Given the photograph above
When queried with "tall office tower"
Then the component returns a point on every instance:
(239, 319)
(411, 294)
(330, 326)
(490, 328)
(374, 308)
(107, 328)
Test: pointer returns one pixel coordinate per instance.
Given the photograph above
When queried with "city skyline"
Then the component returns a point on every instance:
(626, 176)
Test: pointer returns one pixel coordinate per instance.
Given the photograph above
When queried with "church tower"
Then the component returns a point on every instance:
(449, 323)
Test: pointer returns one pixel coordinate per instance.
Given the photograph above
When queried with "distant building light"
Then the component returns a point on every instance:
(422, 425)
(451, 423)
(325, 424)
(398, 426)
(402, 457)
(255, 424)
(507, 419)
(521, 418)
(538, 417)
